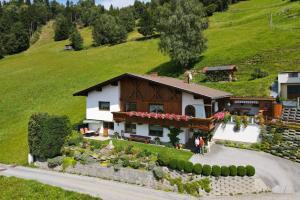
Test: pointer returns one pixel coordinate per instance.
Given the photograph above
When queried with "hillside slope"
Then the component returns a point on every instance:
(43, 78)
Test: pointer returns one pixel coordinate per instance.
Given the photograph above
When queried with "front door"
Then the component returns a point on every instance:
(105, 128)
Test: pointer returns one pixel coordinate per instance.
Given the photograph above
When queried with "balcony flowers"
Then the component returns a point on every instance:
(219, 116)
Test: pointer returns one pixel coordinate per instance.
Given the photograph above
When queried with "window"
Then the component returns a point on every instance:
(155, 130)
(156, 108)
(293, 75)
(130, 128)
(130, 106)
(104, 105)
(190, 111)
(108, 125)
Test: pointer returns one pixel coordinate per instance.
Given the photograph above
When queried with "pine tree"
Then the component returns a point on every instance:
(76, 40)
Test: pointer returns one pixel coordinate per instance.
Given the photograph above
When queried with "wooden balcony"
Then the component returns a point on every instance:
(204, 124)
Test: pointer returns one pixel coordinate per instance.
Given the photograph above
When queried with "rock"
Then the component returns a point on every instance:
(165, 169)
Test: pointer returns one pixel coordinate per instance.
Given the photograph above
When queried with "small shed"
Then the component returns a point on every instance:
(68, 47)
(220, 73)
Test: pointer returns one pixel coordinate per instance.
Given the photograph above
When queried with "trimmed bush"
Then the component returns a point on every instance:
(241, 171)
(180, 165)
(47, 134)
(188, 167)
(216, 171)
(67, 162)
(173, 164)
(232, 170)
(197, 169)
(54, 162)
(225, 171)
(250, 170)
(158, 173)
(206, 170)
(163, 159)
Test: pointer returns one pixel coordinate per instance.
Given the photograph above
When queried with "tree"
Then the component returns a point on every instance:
(61, 28)
(146, 23)
(108, 30)
(181, 26)
(76, 40)
(47, 134)
(127, 18)
(173, 135)
(17, 40)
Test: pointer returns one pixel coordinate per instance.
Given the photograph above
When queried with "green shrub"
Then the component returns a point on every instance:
(232, 170)
(250, 170)
(192, 188)
(216, 171)
(158, 173)
(95, 144)
(225, 171)
(68, 152)
(173, 164)
(129, 149)
(125, 161)
(197, 169)
(54, 162)
(74, 139)
(206, 170)
(68, 161)
(135, 164)
(47, 134)
(188, 167)
(241, 171)
(180, 165)
(163, 159)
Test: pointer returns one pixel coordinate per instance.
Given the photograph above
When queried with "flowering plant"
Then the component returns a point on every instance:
(219, 116)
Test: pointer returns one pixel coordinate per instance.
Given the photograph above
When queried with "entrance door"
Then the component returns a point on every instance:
(105, 128)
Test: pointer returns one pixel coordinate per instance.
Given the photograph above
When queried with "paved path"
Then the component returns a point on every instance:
(107, 190)
(282, 175)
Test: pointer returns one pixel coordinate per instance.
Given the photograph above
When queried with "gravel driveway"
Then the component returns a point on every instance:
(282, 175)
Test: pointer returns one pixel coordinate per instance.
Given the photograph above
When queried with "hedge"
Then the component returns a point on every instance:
(225, 171)
(173, 164)
(197, 169)
(232, 170)
(216, 171)
(206, 170)
(180, 165)
(163, 159)
(250, 170)
(188, 167)
(241, 171)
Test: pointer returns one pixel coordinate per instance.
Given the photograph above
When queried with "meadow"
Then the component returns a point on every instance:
(252, 34)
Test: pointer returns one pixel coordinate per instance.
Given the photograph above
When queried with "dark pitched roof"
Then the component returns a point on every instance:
(220, 68)
(167, 81)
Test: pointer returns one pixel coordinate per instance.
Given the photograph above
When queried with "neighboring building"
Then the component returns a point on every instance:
(147, 105)
(289, 85)
(252, 106)
(220, 73)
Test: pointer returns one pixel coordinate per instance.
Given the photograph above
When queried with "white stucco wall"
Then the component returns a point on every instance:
(188, 99)
(110, 94)
(143, 129)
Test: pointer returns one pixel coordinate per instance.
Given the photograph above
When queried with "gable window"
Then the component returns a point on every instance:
(190, 111)
(103, 105)
(130, 128)
(156, 108)
(155, 130)
(130, 106)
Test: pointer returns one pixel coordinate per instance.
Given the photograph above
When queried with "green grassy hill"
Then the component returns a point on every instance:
(43, 78)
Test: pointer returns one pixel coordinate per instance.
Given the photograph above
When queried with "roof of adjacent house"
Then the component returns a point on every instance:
(220, 68)
(163, 80)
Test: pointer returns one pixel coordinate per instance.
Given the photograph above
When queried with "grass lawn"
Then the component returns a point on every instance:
(43, 78)
(172, 152)
(15, 188)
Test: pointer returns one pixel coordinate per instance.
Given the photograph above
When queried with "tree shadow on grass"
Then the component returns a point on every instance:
(172, 69)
